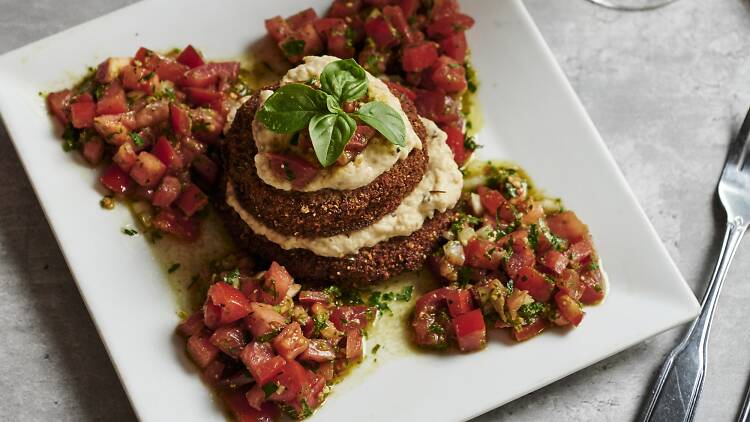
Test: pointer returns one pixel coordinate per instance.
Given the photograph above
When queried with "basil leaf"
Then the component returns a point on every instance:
(291, 107)
(329, 134)
(333, 105)
(385, 120)
(344, 79)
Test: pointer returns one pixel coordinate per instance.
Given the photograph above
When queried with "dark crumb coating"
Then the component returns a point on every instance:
(326, 212)
(370, 265)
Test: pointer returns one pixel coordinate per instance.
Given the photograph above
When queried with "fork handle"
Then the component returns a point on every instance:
(679, 383)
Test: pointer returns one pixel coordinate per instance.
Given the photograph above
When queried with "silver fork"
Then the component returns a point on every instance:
(676, 390)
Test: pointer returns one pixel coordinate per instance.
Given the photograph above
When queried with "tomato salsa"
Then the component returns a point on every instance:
(513, 260)
(419, 47)
(154, 121)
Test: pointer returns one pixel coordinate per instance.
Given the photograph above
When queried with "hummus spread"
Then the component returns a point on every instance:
(379, 155)
(438, 191)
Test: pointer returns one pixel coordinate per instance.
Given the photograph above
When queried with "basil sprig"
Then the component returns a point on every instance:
(294, 106)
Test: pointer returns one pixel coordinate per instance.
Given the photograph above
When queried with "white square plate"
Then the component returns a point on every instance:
(531, 115)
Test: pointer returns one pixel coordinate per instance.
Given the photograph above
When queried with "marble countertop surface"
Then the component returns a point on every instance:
(667, 89)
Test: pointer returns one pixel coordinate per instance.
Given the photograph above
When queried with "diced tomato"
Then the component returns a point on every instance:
(147, 170)
(420, 56)
(425, 321)
(125, 156)
(554, 261)
(290, 342)
(395, 16)
(276, 282)
(140, 79)
(191, 200)
(207, 124)
(373, 59)
(318, 350)
(255, 397)
(229, 339)
(567, 225)
(113, 101)
(264, 319)
(569, 282)
(242, 412)
(201, 351)
(470, 330)
(206, 168)
(82, 114)
(152, 114)
(167, 192)
(342, 8)
(115, 128)
(484, 254)
(109, 70)
(351, 317)
(164, 151)
(148, 58)
(528, 331)
(522, 255)
(234, 305)
(202, 96)
(190, 57)
(57, 103)
(93, 150)
(456, 143)
(168, 221)
(297, 170)
(448, 75)
(455, 47)
(491, 199)
(437, 106)
(115, 179)
(169, 70)
(325, 25)
(354, 344)
(213, 372)
(278, 28)
(580, 250)
(304, 41)
(594, 290)
(459, 301)
(569, 308)
(449, 25)
(381, 32)
(261, 362)
(208, 74)
(533, 282)
(302, 18)
(443, 8)
(180, 119)
(338, 42)
(192, 325)
(308, 297)
(295, 379)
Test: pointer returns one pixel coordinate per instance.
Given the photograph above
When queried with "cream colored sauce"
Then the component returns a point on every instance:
(438, 191)
(379, 156)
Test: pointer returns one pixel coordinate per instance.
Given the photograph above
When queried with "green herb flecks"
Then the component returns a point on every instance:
(137, 139)
(293, 47)
(375, 349)
(232, 278)
(71, 139)
(174, 267)
(296, 106)
(270, 388)
(269, 335)
(381, 301)
(129, 232)
(533, 310)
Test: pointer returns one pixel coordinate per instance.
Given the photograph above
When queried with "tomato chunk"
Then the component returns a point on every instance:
(298, 171)
(234, 305)
(455, 47)
(276, 282)
(290, 342)
(533, 282)
(115, 179)
(261, 362)
(57, 103)
(567, 225)
(569, 308)
(470, 329)
(554, 261)
(459, 301)
(354, 344)
(351, 317)
(229, 339)
(419, 56)
(190, 57)
(113, 101)
(528, 331)
(147, 170)
(168, 221)
(192, 200)
(455, 142)
(484, 254)
(264, 320)
(242, 412)
(82, 114)
(201, 351)
(448, 75)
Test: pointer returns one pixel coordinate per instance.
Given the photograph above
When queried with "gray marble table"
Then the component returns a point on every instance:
(667, 90)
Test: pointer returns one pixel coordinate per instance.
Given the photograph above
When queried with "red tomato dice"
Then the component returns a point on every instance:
(180, 119)
(302, 18)
(381, 32)
(276, 282)
(201, 351)
(115, 179)
(263, 319)
(448, 75)
(229, 339)
(93, 150)
(567, 225)
(554, 261)
(470, 330)
(455, 142)
(351, 317)
(338, 42)
(234, 305)
(168, 221)
(354, 344)
(57, 103)
(190, 57)
(491, 199)
(290, 342)
(147, 170)
(278, 28)
(420, 56)
(297, 170)
(533, 282)
(191, 200)
(443, 8)
(343, 8)
(109, 70)
(167, 192)
(113, 101)
(569, 308)
(165, 152)
(82, 114)
(455, 47)
(528, 331)
(594, 290)
(325, 25)
(580, 250)
(202, 96)
(261, 362)
(318, 350)
(170, 70)
(449, 25)
(459, 300)
(437, 106)
(242, 412)
(484, 254)
(192, 325)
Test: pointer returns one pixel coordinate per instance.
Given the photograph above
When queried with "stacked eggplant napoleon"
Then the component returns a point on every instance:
(375, 212)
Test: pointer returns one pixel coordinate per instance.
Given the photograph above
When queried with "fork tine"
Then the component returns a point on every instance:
(735, 157)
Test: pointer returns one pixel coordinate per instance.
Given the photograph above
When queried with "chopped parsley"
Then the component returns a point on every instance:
(557, 243)
(533, 236)
(71, 139)
(532, 310)
(270, 388)
(594, 266)
(470, 143)
(463, 219)
(232, 278)
(174, 267)
(293, 47)
(464, 276)
(99, 91)
(350, 296)
(375, 349)
(137, 139)
(380, 300)
(269, 335)
(129, 232)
